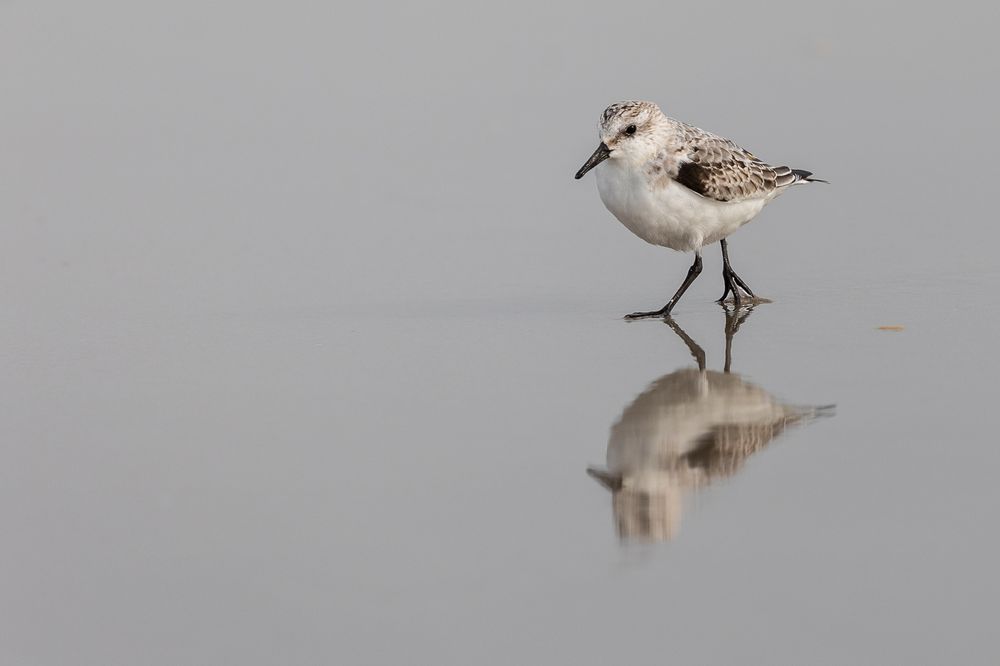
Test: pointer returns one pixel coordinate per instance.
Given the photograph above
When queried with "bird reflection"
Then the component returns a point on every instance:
(689, 428)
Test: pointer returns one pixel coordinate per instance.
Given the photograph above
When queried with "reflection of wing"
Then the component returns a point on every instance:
(723, 451)
(681, 410)
(717, 168)
(687, 429)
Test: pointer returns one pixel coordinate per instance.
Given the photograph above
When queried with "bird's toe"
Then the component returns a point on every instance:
(647, 315)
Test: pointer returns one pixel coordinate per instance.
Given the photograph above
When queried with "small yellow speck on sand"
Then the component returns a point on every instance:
(890, 328)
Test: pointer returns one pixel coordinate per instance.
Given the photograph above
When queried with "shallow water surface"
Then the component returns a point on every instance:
(313, 350)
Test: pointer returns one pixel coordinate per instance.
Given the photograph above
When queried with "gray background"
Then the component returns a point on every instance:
(308, 335)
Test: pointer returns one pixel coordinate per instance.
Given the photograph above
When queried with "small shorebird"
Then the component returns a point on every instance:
(681, 187)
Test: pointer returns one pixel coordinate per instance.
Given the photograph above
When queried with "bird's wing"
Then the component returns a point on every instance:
(717, 168)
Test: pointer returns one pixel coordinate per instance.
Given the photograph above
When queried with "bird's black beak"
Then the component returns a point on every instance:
(602, 153)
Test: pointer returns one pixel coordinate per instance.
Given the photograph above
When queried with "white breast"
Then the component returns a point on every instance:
(664, 212)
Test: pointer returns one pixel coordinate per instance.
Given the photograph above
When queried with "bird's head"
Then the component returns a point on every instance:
(628, 130)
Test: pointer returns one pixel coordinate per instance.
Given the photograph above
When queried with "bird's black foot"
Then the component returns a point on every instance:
(693, 273)
(661, 313)
(735, 285)
(741, 284)
(732, 281)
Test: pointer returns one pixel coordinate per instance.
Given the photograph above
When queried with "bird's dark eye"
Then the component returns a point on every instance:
(630, 130)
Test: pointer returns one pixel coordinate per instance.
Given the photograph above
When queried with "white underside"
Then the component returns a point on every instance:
(667, 213)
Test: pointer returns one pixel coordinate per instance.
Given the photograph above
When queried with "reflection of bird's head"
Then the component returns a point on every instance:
(647, 507)
(648, 514)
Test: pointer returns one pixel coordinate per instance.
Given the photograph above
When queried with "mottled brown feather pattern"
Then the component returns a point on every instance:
(624, 110)
(717, 168)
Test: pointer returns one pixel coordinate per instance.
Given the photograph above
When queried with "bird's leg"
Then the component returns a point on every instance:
(732, 281)
(727, 277)
(693, 273)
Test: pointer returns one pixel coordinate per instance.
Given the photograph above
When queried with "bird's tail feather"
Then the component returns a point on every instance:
(806, 176)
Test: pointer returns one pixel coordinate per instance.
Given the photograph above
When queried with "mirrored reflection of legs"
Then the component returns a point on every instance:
(734, 319)
(692, 274)
(696, 351)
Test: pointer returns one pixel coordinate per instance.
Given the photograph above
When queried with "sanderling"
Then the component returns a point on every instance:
(681, 187)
